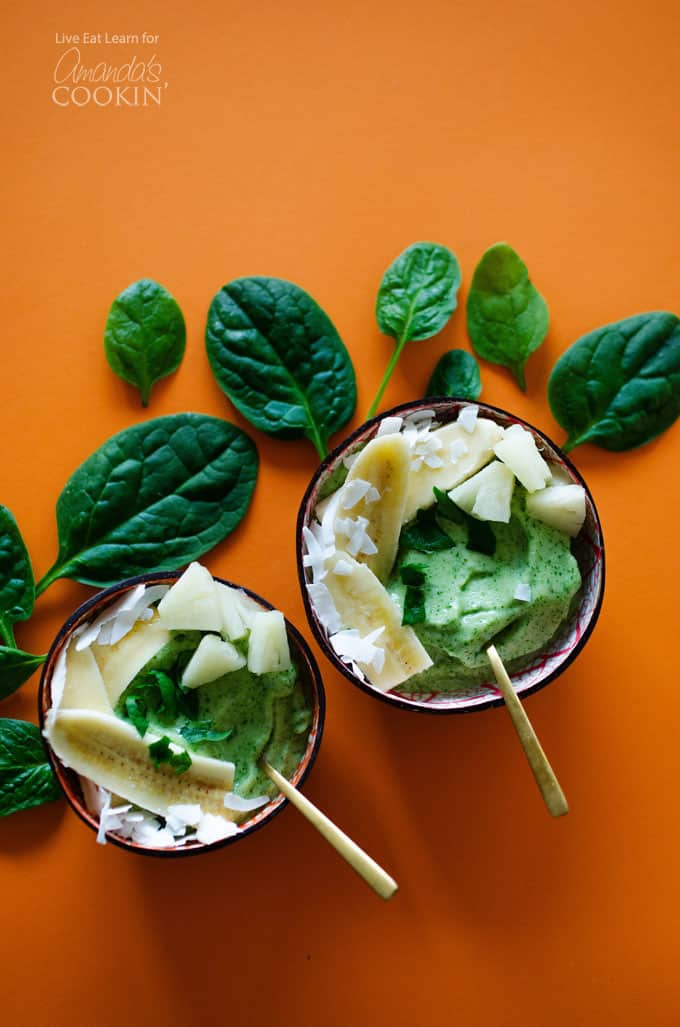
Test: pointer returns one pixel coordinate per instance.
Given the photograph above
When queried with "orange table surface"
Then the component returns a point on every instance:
(314, 141)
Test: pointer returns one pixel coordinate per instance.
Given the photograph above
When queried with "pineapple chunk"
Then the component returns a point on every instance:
(518, 450)
(268, 646)
(212, 659)
(191, 603)
(231, 609)
(487, 495)
(560, 506)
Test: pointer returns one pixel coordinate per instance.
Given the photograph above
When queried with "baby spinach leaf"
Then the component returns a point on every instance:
(416, 298)
(507, 317)
(619, 386)
(17, 590)
(414, 605)
(145, 335)
(456, 374)
(16, 666)
(159, 494)
(279, 359)
(26, 778)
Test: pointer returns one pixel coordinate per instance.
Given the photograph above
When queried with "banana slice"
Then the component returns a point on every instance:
(84, 687)
(363, 603)
(111, 753)
(371, 504)
(462, 453)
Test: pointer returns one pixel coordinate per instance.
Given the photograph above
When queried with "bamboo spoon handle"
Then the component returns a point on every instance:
(360, 861)
(538, 761)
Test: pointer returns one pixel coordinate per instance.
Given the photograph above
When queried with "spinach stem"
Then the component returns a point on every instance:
(401, 342)
(7, 634)
(319, 445)
(47, 580)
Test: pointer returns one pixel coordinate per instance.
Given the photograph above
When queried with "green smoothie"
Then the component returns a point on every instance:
(469, 598)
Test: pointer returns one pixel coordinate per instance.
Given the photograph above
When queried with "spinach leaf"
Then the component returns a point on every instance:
(447, 508)
(202, 731)
(424, 533)
(159, 494)
(619, 386)
(145, 335)
(414, 606)
(456, 374)
(16, 667)
(160, 752)
(507, 317)
(279, 359)
(416, 298)
(17, 591)
(26, 778)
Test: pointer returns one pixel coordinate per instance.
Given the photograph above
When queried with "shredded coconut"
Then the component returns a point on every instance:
(342, 568)
(240, 805)
(358, 651)
(317, 554)
(467, 418)
(354, 530)
(457, 449)
(356, 490)
(101, 830)
(213, 828)
(389, 426)
(324, 607)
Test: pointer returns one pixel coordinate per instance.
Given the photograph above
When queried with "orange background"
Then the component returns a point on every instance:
(314, 141)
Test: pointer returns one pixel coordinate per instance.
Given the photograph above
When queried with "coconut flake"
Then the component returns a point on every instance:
(324, 607)
(353, 649)
(467, 418)
(101, 830)
(183, 815)
(359, 541)
(342, 568)
(317, 554)
(213, 828)
(419, 418)
(457, 449)
(127, 602)
(389, 426)
(523, 593)
(356, 490)
(240, 805)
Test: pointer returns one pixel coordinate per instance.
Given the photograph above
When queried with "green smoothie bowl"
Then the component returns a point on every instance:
(163, 701)
(436, 530)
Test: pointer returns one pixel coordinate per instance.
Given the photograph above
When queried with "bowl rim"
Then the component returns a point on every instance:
(263, 816)
(395, 700)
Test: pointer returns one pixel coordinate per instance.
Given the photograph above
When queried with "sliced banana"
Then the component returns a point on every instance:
(121, 662)
(109, 751)
(84, 687)
(363, 603)
(462, 452)
(371, 504)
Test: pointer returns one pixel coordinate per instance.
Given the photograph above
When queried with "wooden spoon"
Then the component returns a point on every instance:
(538, 761)
(379, 880)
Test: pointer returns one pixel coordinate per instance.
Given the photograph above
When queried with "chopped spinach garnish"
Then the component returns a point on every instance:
(202, 731)
(413, 574)
(414, 605)
(154, 696)
(424, 533)
(135, 710)
(160, 752)
(480, 535)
